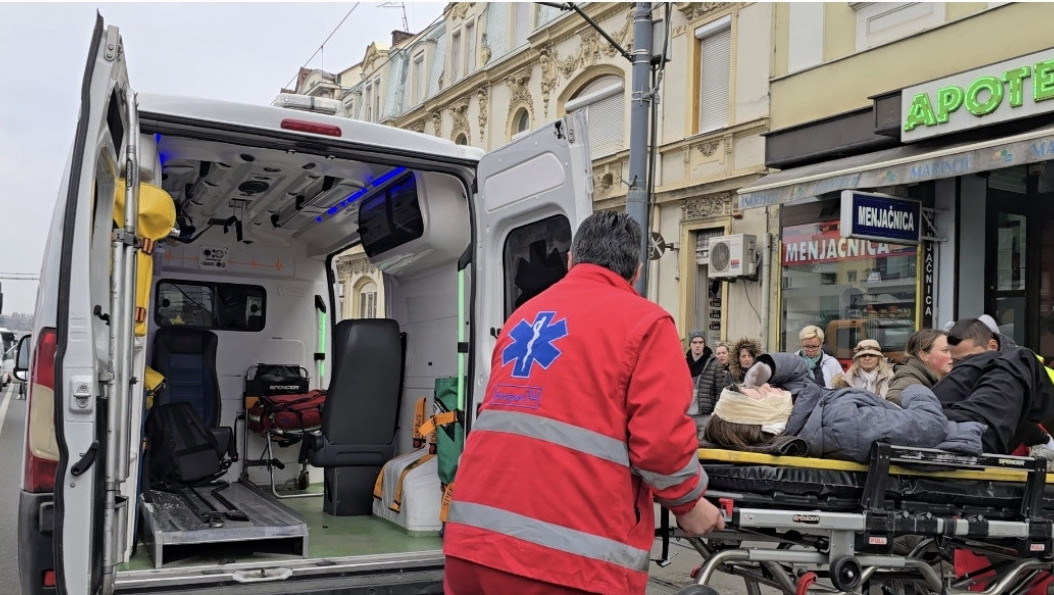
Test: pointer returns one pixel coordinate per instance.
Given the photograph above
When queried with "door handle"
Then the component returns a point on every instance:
(86, 460)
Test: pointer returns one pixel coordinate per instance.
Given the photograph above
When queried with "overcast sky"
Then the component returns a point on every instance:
(239, 51)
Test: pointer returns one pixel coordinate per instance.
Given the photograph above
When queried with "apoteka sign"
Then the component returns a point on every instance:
(1009, 90)
(879, 217)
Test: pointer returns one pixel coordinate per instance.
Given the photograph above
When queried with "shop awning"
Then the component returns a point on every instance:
(907, 164)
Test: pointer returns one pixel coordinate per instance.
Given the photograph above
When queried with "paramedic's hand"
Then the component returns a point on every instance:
(702, 519)
(757, 375)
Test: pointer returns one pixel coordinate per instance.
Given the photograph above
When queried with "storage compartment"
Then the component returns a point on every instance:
(419, 496)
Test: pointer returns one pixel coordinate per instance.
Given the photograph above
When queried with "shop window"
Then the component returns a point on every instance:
(534, 257)
(853, 289)
(212, 306)
(715, 73)
(603, 102)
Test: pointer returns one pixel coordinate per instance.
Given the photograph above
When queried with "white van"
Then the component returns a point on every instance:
(264, 199)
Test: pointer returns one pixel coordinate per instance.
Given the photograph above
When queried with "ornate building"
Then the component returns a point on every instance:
(488, 71)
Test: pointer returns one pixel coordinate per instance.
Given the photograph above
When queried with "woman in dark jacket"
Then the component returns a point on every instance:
(926, 360)
(743, 354)
(709, 384)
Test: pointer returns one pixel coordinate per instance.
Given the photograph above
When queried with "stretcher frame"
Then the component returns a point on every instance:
(847, 550)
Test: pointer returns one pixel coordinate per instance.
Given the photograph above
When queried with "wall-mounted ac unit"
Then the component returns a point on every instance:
(732, 256)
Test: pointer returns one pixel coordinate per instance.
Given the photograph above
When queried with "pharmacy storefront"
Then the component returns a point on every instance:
(971, 176)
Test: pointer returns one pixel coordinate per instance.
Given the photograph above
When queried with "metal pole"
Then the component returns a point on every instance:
(637, 195)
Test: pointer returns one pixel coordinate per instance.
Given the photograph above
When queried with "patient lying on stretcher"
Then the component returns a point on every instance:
(778, 399)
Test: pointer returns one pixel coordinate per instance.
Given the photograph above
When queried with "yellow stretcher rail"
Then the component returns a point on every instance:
(714, 455)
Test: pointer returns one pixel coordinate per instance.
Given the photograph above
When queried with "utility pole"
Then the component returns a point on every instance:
(637, 196)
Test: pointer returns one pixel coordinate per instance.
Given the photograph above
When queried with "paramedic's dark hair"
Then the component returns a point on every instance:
(922, 340)
(611, 240)
(970, 329)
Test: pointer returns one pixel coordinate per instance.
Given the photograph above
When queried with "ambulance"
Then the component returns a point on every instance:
(194, 241)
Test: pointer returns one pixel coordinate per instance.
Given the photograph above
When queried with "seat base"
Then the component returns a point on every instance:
(348, 491)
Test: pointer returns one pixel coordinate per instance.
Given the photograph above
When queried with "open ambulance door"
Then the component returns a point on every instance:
(532, 195)
(93, 324)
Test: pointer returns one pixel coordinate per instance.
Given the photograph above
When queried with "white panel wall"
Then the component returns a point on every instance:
(805, 45)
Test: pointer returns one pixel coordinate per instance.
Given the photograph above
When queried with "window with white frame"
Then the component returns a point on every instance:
(377, 99)
(878, 23)
(418, 74)
(368, 300)
(522, 24)
(455, 56)
(470, 48)
(604, 103)
(367, 114)
(715, 73)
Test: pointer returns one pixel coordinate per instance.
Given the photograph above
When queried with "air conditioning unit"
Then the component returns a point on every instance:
(732, 256)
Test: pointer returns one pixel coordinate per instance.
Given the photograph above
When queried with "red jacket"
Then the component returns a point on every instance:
(582, 422)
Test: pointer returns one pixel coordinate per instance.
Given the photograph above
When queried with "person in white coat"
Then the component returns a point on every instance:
(822, 366)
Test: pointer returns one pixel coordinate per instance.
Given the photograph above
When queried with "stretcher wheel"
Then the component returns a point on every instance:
(845, 573)
(698, 590)
(302, 481)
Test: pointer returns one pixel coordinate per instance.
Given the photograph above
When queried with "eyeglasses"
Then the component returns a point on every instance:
(811, 347)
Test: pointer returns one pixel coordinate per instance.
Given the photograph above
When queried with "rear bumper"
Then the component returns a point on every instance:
(36, 554)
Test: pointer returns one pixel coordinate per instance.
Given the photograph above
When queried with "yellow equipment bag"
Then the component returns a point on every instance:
(157, 215)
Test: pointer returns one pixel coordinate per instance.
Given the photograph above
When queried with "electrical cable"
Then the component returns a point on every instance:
(323, 45)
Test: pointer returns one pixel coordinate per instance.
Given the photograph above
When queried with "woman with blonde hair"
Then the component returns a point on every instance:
(870, 370)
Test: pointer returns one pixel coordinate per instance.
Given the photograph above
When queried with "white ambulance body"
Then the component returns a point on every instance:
(265, 198)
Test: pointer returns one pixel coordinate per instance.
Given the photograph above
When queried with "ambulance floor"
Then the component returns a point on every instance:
(328, 537)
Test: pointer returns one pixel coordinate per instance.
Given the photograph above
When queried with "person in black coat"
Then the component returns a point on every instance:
(698, 353)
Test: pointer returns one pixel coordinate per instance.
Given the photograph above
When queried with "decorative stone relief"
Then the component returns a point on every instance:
(708, 148)
(547, 60)
(607, 178)
(437, 123)
(459, 112)
(622, 37)
(460, 10)
(517, 83)
(418, 126)
(710, 205)
(484, 50)
(695, 10)
(481, 97)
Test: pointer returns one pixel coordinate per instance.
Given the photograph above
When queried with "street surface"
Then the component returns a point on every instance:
(12, 420)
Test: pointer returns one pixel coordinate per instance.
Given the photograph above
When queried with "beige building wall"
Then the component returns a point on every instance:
(928, 50)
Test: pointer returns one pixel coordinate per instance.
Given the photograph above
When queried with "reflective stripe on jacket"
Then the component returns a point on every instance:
(583, 422)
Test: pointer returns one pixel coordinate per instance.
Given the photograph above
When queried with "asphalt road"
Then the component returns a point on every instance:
(13, 414)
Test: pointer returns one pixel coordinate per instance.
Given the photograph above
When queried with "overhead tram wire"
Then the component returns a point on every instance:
(323, 44)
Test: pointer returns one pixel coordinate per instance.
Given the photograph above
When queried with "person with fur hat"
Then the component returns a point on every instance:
(834, 423)
(698, 353)
(741, 358)
(870, 370)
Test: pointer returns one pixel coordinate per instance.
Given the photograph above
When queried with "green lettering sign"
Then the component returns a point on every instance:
(994, 86)
(1043, 81)
(949, 99)
(921, 112)
(1015, 81)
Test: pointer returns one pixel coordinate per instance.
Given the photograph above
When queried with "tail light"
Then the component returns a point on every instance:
(41, 447)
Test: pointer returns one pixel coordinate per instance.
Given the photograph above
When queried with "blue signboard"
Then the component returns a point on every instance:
(882, 218)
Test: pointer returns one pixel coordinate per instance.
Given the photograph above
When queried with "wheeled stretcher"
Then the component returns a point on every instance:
(900, 524)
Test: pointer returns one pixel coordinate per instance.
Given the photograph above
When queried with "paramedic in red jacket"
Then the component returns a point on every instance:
(583, 422)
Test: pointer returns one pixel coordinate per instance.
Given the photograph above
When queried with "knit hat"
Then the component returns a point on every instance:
(867, 347)
(1005, 342)
(695, 334)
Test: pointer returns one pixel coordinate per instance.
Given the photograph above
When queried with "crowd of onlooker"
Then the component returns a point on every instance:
(967, 387)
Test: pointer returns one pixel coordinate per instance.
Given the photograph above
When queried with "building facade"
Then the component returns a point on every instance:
(488, 71)
(942, 104)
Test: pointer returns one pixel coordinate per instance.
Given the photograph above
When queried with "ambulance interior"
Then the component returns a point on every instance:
(248, 271)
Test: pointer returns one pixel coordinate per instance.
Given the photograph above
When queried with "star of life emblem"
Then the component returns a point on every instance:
(532, 342)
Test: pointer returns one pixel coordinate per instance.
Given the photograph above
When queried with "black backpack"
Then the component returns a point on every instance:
(181, 451)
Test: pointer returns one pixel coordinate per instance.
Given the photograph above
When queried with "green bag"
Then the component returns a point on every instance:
(450, 428)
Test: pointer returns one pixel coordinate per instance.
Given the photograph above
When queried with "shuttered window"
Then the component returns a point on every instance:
(715, 72)
(604, 103)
